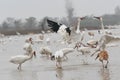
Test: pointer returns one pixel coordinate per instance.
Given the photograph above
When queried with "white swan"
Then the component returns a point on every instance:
(78, 25)
(60, 54)
(104, 40)
(46, 51)
(20, 59)
(60, 28)
(28, 48)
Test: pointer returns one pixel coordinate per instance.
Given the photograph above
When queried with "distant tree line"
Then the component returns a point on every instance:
(31, 23)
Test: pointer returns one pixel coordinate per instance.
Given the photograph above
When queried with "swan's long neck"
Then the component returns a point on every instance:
(78, 27)
(102, 26)
(31, 55)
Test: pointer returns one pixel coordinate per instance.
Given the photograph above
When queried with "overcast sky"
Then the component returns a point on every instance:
(21, 9)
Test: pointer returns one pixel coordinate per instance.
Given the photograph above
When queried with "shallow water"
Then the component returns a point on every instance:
(42, 68)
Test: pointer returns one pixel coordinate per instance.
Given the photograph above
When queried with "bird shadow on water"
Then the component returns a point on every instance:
(105, 74)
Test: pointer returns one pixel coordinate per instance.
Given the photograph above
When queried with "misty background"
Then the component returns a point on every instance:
(67, 13)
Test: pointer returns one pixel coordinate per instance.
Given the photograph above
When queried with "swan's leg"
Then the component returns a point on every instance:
(106, 64)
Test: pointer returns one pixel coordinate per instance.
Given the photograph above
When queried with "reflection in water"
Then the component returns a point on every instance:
(59, 74)
(105, 75)
(24, 75)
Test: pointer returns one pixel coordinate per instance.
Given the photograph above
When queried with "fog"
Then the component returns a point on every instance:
(55, 8)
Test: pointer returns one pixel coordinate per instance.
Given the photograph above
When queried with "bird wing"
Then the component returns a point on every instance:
(106, 39)
(18, 59)
(111, 38)
(54, 25)
(67, 50)
(58, 54)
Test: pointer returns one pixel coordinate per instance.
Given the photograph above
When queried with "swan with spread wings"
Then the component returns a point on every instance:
(59, 28)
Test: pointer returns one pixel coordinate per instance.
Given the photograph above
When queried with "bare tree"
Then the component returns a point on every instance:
(117, 10)
(42, 24)
(10, 22)
(18, 24)
(30, 23)
(5, 25)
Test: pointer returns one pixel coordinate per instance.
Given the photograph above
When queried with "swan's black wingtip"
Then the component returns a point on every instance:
(54, 25)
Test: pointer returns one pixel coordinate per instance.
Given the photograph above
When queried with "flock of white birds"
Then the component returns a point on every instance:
(72, 43)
